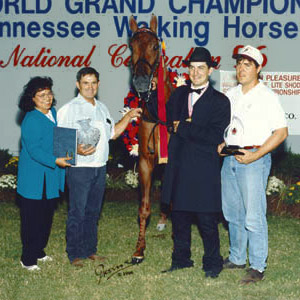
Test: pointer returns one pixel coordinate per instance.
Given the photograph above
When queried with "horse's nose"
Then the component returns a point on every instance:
(141, 83)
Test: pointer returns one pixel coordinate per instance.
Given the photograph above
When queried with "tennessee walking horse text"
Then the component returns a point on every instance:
(148, 68)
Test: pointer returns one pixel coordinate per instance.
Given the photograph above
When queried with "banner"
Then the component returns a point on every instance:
(57, 38)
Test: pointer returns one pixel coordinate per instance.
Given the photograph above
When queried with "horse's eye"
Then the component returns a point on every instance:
(155, 47)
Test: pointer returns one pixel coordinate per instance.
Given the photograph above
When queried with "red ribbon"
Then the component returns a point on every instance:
(161, 103)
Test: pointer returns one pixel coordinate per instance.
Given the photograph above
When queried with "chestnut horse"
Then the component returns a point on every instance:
(145, 47)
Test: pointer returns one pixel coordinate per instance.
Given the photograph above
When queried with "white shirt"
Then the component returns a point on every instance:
(260, 113)
(79, 109)
(50, 116)
(195, 96)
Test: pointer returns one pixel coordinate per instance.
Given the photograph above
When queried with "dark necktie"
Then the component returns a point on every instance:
(198, 91)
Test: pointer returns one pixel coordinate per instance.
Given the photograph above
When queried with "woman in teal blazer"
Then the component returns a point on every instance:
(40, 173)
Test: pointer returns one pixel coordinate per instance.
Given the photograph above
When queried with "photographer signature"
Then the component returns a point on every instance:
(101, 272)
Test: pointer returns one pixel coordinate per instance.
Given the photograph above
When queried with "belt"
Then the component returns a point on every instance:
(251, 147)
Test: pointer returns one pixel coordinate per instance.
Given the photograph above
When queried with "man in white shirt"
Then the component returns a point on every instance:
(86, 180)
(258, 126)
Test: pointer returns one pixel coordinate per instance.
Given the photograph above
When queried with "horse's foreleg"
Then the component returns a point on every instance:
(145, 172)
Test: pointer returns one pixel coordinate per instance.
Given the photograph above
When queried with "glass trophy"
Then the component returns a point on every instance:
(88, 135)
(233, 136)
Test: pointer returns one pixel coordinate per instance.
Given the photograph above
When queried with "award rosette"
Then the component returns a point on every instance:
(233, 136)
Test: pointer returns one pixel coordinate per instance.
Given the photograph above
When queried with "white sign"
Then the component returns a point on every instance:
(56, 38)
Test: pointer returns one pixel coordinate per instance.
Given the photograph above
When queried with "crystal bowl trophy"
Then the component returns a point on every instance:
(88, 135)
(233, 136)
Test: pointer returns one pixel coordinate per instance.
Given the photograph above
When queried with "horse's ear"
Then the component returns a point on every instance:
(153, 23)
(132, 24)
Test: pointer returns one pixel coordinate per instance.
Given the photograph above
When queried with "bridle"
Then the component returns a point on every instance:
(144, 61)
(146, 100)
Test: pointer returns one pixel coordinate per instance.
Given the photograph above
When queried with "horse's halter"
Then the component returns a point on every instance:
(144, 61)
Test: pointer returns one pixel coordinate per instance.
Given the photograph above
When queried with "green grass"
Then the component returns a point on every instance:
(118, 231)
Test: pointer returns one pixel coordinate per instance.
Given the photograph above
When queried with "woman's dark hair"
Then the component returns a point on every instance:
(34, 85)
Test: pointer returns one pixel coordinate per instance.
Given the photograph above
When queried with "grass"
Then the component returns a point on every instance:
(118, 231)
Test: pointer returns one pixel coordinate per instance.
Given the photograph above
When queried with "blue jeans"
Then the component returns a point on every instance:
(244, 207)
(86, 189)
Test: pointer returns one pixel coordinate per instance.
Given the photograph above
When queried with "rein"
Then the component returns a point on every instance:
(157, 122)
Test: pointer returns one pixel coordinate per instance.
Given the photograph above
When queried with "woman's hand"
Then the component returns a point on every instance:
(62, 161)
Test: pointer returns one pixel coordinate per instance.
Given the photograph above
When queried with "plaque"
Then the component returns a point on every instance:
(65, 143)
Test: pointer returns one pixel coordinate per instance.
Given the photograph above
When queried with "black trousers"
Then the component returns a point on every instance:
(36, 223)
(207, 224)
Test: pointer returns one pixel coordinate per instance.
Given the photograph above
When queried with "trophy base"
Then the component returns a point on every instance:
(232, 150)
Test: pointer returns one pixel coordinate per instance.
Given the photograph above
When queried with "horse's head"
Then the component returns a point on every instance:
(144, 45)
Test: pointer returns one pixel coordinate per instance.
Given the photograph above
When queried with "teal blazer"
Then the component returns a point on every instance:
(36, 161)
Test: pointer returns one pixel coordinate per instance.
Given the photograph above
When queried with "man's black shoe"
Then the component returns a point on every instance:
(211, 274)
(230, 265)
(175, 268)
